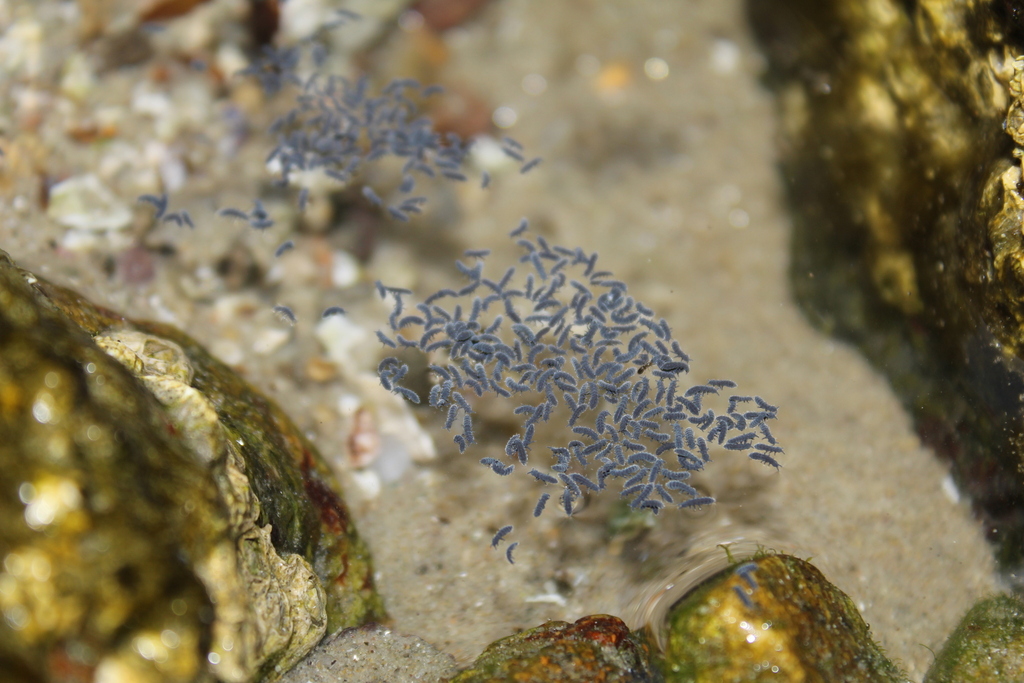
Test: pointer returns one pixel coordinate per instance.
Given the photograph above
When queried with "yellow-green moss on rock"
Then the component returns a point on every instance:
(778, 621)
(987, 645)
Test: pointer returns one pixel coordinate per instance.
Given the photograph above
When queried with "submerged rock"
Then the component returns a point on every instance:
(988, 645)
(770, 619)
(902, 146)
(775, 618)
(594, 648)
(159, 519)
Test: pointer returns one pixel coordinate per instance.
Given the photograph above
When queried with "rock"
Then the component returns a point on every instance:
(988, 645)
(902, 148)
(773, 618)
(776, 618)
(160, 520)
(594, 648)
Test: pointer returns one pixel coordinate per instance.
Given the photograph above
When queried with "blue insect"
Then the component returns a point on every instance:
(502, 533)
(159, 203)
(541, 502)
(530, 165)
(285, 313)
(508, 552)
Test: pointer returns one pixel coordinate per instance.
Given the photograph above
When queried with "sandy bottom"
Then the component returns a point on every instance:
(673, 182)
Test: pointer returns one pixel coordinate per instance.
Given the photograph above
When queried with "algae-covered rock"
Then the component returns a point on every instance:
(902, 145)
(594, 648)
(159, 519)
(988, 645)
(776, 618)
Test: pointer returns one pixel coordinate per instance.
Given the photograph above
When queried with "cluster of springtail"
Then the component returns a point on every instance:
(337, 128)
(563, 338)
(566, 338)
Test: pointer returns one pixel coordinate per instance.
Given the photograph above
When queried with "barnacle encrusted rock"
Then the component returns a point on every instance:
(159, 520)
(286, 611)
(594, 648)
(903, 134)
(776, 618)
(987, 645)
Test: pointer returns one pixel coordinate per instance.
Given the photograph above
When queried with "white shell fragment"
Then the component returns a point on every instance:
(85, 203)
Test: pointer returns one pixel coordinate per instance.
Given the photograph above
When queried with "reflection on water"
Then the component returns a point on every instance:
(710, 552)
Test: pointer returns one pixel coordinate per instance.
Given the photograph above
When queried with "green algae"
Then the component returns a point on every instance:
(987, 645)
